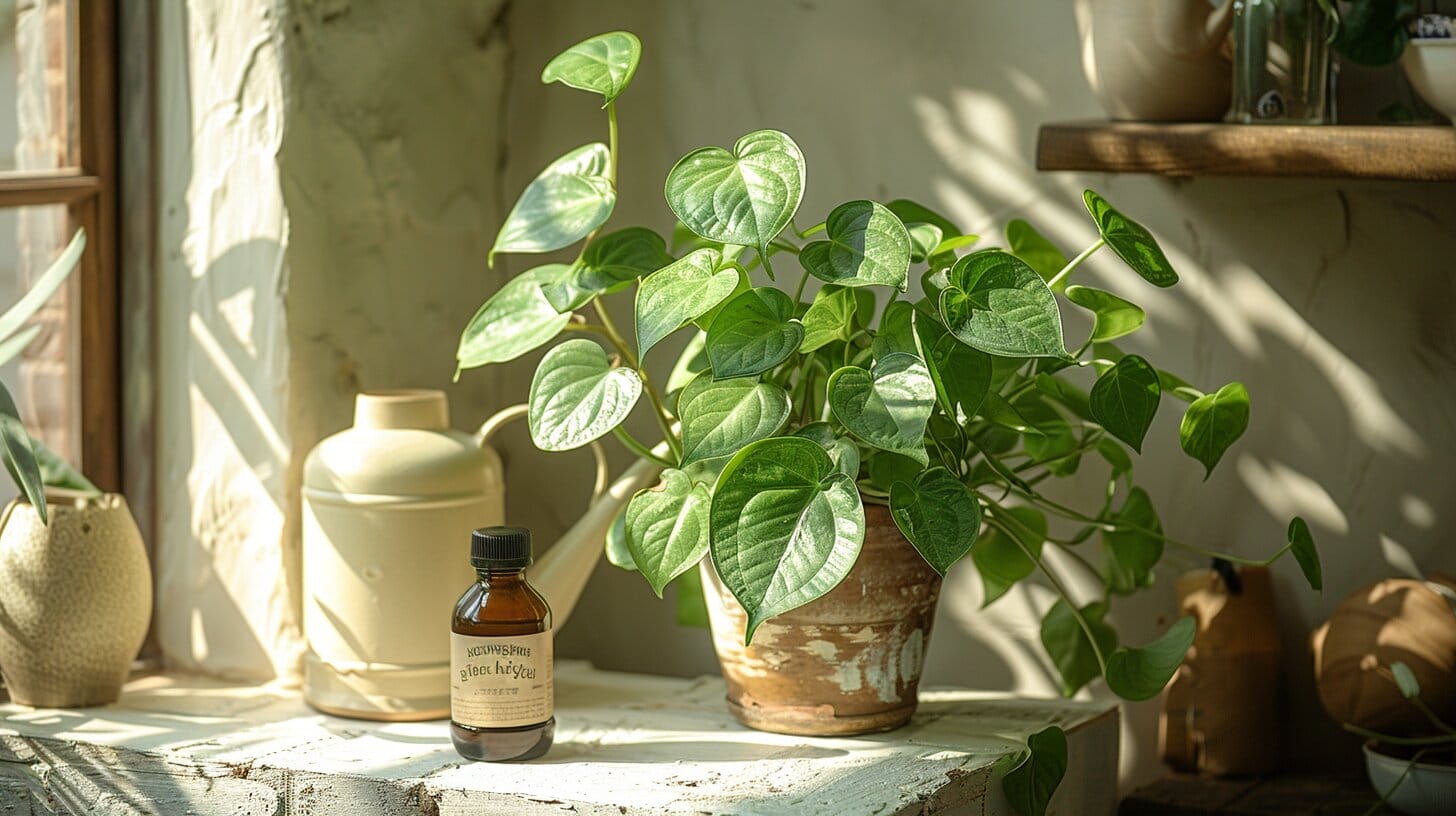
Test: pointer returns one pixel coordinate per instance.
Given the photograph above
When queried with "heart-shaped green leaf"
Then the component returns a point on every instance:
(842, 450)
(690, 363)
(1301, 543)
(720, 417)
(1029, 786)
(995, 408)
(1128, 556)
(1405, 680)
(897, 330)
(603, 64)
(680, 293)
(924, 238)
(938, 514)
(1374, 32)
(1141, 674)
(1116, 457)
(1131, 241)
(832, 317)
(1113, 317)
(744, 197)
(20, 456)
(571, 197)
(1125, 399)
(610, 264)
(667, 528)
(1213, 422)
(943, 255)
(1031, 246)
(785, 526)
(962, 375)
(576, 396)
(911, 212)
(1000, 560)
(1068, 646)
(616, 545)
(515, 320)
(1070, 396)
(865, 245)
(754, 332)
(887, 406)
(996, 303)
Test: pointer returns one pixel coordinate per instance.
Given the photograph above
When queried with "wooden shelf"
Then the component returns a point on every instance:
(1413, 153)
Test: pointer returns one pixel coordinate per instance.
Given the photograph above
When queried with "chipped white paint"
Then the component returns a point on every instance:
(626, 744)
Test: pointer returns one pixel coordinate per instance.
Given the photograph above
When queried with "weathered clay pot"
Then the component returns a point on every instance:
(75, 599)
(847, 663)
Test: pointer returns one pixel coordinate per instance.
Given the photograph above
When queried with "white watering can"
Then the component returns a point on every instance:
(388, 506)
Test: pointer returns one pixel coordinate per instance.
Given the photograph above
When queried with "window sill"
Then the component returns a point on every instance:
(625, 744)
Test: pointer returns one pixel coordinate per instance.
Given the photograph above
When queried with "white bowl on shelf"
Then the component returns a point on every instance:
(1428, 790)
(1430, 64)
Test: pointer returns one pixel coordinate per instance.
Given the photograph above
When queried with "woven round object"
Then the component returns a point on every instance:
(1393, 620)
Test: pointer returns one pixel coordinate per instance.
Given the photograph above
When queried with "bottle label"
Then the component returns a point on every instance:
(500, 682)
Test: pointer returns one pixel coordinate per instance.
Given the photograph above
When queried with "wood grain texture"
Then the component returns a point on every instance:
(1415, 153)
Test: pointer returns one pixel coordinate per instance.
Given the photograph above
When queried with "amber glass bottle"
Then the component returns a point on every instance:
(501, 702)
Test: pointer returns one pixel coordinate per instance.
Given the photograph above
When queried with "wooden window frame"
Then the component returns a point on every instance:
(89, 192)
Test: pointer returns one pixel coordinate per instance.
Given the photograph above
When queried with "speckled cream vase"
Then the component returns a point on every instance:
(75, 599)
(847, 663)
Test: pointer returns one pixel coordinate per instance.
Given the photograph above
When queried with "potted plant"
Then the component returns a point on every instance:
(1414, 773)
(832, 456)
(75, 587)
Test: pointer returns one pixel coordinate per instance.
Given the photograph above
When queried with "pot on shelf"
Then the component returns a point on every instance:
(1157, 60)
(75, 599)
(847, 663)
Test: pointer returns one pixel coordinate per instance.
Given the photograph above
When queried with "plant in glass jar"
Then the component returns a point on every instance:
(787, 415)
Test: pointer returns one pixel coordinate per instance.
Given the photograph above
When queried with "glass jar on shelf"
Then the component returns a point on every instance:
(1281, 57)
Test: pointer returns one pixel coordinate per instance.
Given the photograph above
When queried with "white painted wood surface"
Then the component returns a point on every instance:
(626, 744)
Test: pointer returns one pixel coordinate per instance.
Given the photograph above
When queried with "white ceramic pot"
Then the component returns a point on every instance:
(1430, 64)
(1428, 790)
(1157, 60)
(75, 599)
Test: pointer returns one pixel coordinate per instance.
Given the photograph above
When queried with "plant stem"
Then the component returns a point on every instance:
(785, 245)
(1076, 262)
(587, 327)
(1399, 780)
(1444, 739)
(657, 405)
(630, 443)
(799, 290)
(612, 142)
(995, 521)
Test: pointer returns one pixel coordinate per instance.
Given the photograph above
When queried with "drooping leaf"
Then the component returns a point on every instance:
(995, 303)
(667, 528)
(515, 320)
(830, 318)
(754, 332)
(938, 514)
(46, 285)
(721, 417)
(1141, 674)
(886, 406)
(571, 197)
(1029, 786)
(57, 472)
(577, 397)
(20, 457)
(1301, 543)
(679, 293)
(886, 468)
(690, 363)
(1113, 317)
(998, 558)
(1116, 457)
(610, 264)
(616, 544)
(995, 408)
(865, 244)
(1405, 680)
(1069, 647)
(1128, 556)
(1131, 241)
(602, 64)
(1373, 32)
(744, 197)
(1213, 422)
(1125, 399)
(785, 526)
(842, 450)
(1033, 247)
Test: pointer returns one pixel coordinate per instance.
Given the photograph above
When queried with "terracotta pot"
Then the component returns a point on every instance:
(847, 663)
(75, 599)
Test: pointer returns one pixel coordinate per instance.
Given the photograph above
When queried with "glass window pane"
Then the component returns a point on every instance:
(37, 94)
(43, 378)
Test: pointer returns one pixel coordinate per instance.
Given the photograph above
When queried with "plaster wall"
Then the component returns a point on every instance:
(1331, 301)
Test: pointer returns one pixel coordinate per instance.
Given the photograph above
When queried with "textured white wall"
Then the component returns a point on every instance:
(1331, 301)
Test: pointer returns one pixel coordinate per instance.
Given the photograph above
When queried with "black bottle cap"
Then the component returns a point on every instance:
(500, 548)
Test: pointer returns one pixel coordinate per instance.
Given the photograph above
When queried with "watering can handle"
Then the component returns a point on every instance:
(497, 421)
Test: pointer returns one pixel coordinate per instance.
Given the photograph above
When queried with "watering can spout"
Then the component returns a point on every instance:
(561, 573)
